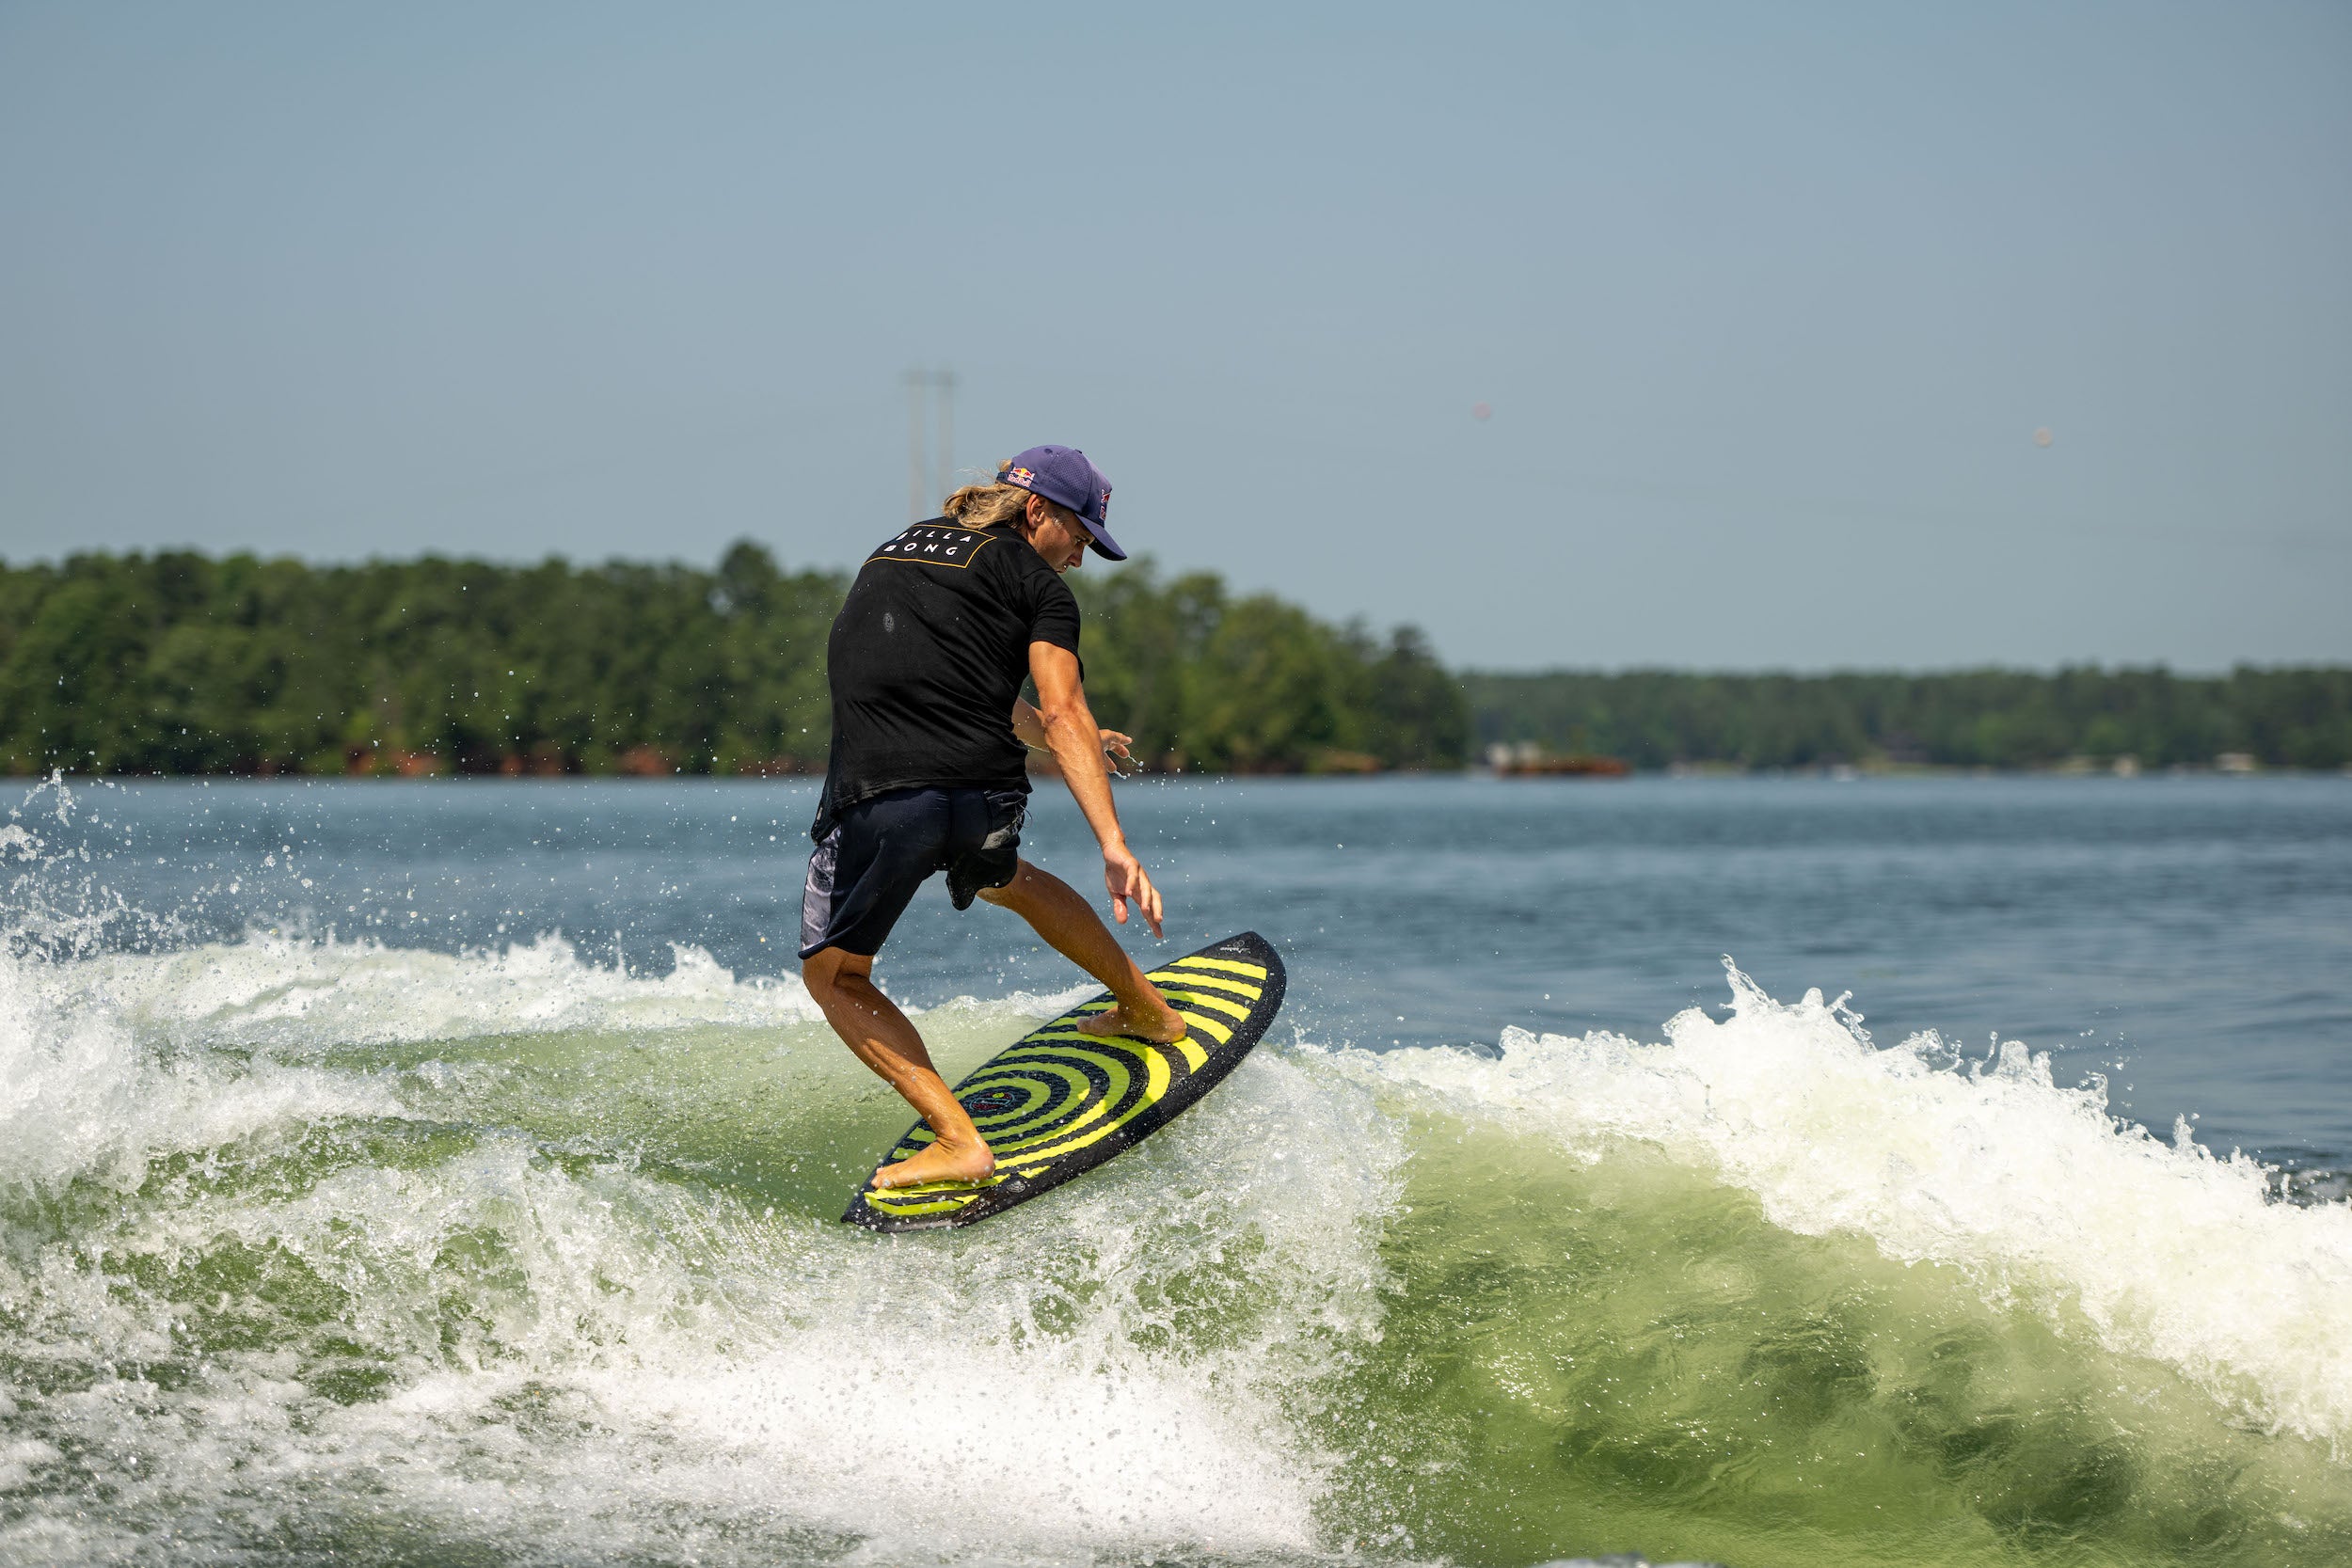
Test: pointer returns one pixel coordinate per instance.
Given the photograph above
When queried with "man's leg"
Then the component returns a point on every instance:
(1069, 922)
(883, 1038)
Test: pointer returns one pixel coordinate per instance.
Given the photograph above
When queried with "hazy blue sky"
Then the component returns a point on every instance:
(1768, 302)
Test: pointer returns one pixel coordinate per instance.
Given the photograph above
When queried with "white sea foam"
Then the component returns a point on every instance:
(2033, 1190)
(109, 1062)
(273, 988)
(81, 1095)
(586, 1354)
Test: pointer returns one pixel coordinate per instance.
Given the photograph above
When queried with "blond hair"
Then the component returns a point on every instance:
(987, 505)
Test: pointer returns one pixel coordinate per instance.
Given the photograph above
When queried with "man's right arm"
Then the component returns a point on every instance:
(1076, 742)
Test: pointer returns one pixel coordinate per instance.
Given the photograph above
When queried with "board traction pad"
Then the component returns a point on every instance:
(1055, 1103)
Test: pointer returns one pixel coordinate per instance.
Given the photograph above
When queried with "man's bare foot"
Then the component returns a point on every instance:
(942, 1161)
(1161, 1028)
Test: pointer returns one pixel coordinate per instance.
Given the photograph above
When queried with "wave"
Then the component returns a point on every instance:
(1989, 1168)
(507, 1253)
(268, 1258)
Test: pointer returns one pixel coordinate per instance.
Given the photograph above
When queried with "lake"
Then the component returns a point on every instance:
(1744, 1170)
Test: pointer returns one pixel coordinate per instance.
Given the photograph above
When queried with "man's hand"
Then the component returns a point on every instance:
(1123, 873)
(1123, 762)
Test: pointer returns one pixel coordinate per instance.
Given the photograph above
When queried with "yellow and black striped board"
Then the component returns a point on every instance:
(1058, 1102)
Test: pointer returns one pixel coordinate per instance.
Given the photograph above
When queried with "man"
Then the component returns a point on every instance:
(928, 773)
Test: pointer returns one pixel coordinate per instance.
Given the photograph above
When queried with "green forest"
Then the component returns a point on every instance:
(179, 663)
(2003, 718)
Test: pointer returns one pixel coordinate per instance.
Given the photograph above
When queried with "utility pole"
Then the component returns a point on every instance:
(944, 478)
(916, 383)
(931, 403)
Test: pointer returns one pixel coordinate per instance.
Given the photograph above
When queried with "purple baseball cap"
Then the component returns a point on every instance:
(1063, 476)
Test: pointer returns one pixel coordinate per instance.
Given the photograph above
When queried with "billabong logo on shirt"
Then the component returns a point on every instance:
(940, 546)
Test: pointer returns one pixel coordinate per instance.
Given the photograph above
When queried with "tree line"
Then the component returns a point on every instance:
(2004, 718)
(179, 663)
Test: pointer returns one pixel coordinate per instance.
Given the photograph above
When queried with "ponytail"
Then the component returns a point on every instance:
(986, 505)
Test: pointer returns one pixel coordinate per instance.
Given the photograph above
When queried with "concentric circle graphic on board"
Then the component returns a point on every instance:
(995, 1100)
(1059, 1101)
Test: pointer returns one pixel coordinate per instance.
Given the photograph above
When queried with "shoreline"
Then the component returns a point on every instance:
(1827, 772)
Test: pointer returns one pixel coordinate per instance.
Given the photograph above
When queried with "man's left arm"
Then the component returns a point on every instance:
(1028, 727)
(1071, 731)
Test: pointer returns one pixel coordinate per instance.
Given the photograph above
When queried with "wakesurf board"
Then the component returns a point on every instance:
(1056, 1103)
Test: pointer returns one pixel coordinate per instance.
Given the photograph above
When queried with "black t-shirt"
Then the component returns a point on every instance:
(926, 659)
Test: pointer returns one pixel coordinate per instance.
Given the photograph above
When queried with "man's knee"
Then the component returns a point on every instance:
(823, 971)
(816, 973)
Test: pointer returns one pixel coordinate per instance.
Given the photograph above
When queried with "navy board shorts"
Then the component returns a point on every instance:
(880, 851)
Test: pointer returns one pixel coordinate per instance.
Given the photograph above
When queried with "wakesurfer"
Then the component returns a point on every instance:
(928, 771)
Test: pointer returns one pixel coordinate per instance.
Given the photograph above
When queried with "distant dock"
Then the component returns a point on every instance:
(1529, 761)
